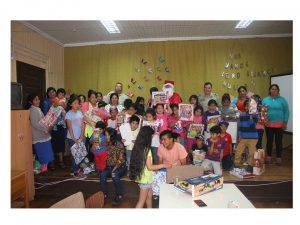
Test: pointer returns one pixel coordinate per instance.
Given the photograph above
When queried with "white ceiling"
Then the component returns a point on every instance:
(77, 33)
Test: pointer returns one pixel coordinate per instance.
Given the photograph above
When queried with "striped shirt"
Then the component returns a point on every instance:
(246, 128)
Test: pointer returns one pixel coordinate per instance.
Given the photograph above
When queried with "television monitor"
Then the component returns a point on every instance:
(16, 96)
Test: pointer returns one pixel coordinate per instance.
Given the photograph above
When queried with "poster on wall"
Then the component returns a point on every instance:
(159, 97)
(186, 112)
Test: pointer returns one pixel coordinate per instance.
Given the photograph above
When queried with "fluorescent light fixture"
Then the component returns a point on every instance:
(243, 23)
(110, 26)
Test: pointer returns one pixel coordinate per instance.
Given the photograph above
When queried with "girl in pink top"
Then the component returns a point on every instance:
(161, 116)
(198, 112)
(174, 124)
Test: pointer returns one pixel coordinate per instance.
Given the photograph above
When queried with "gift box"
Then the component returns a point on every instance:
(51, 116)
(159, 177)
(259, 162)
(198, 157)
(200, 185)
(91, 118)
(79, 152)
(241, 173)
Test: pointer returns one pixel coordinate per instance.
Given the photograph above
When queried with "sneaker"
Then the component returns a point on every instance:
(87, 170)
(92, 166)
(117, 200)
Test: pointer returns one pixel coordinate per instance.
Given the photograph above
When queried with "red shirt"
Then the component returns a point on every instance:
(240, 106)
(228, 141)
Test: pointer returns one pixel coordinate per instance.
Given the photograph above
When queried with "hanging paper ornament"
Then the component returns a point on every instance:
(225, 83)
(146, 78)
(231, 55)
(229, 86)
(162, 59)
(222, 74)
(167, 69)
(139, 87)
(158, 78)
(130, 94)
(252, 74)
(158, 69)
(144, 61)
(137, 70)
(226, 75)
(128, 86)
(236, 66)
(226, 65)
(150, 70)
(133, 81)
(233, 75)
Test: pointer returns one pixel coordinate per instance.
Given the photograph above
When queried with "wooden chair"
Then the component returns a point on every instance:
(73, 201)
(95, 200)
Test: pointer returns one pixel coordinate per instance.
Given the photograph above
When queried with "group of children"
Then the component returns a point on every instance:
(214, 144)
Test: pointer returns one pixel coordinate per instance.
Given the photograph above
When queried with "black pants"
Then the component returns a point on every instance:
(278, 132)
(88, 148)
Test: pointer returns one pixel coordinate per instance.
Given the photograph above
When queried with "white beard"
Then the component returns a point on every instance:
(169, 91)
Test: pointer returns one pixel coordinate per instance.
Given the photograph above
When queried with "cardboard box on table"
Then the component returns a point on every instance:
(200, 185)
(183, 172)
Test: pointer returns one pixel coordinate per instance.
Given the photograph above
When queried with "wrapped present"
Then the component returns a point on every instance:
(159, 178)
(198, 157)
(79, 152)
(259, 162)
(51, 116)
(91, 118)
(252, 106)
(263, 115)
(200, 185)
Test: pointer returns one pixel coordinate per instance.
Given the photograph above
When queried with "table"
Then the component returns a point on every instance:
(19, 186)
(173, 198)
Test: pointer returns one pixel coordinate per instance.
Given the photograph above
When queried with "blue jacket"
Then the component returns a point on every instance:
(278, 109)
(247, 125)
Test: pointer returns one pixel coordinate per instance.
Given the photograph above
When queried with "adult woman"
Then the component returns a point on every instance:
(88, 130)
(114, 101)
(41, 138)
(115, 165)
(239, 101)
(50, 94)
(278, 116)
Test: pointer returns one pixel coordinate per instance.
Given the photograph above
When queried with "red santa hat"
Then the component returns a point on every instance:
(169, 82)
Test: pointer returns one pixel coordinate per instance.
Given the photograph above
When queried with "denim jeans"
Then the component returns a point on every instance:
(260, 138)
(116, 175)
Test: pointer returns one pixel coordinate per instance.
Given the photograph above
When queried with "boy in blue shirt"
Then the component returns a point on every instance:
(247, 137)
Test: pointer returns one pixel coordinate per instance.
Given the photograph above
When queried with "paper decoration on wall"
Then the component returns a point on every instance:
(128, 86)
(158, 69)
(226, 65)
(137, 70)
(150, 70)
(158, 78)
(146, 78)
(229, 86)
(139, 87)
(236, 66)
(144, 61)
(130, 94)
(162, 59)
(167, 69)
(225, 83)
(231, 55)
(133, 81)
(264, 72)
(226, 75)
(233, 75)
(222, 74)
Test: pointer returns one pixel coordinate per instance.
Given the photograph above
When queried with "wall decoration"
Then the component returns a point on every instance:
(233, 75)
(133, 81)
(162, 59)
(128, 86)
(150, 70)
(158, 78)
(226, 65)
(139, 86)
(144, 61)
(167, 69)
(137, 70)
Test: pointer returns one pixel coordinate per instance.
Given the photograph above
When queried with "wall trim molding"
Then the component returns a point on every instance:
(176, 39)
(44, 34)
